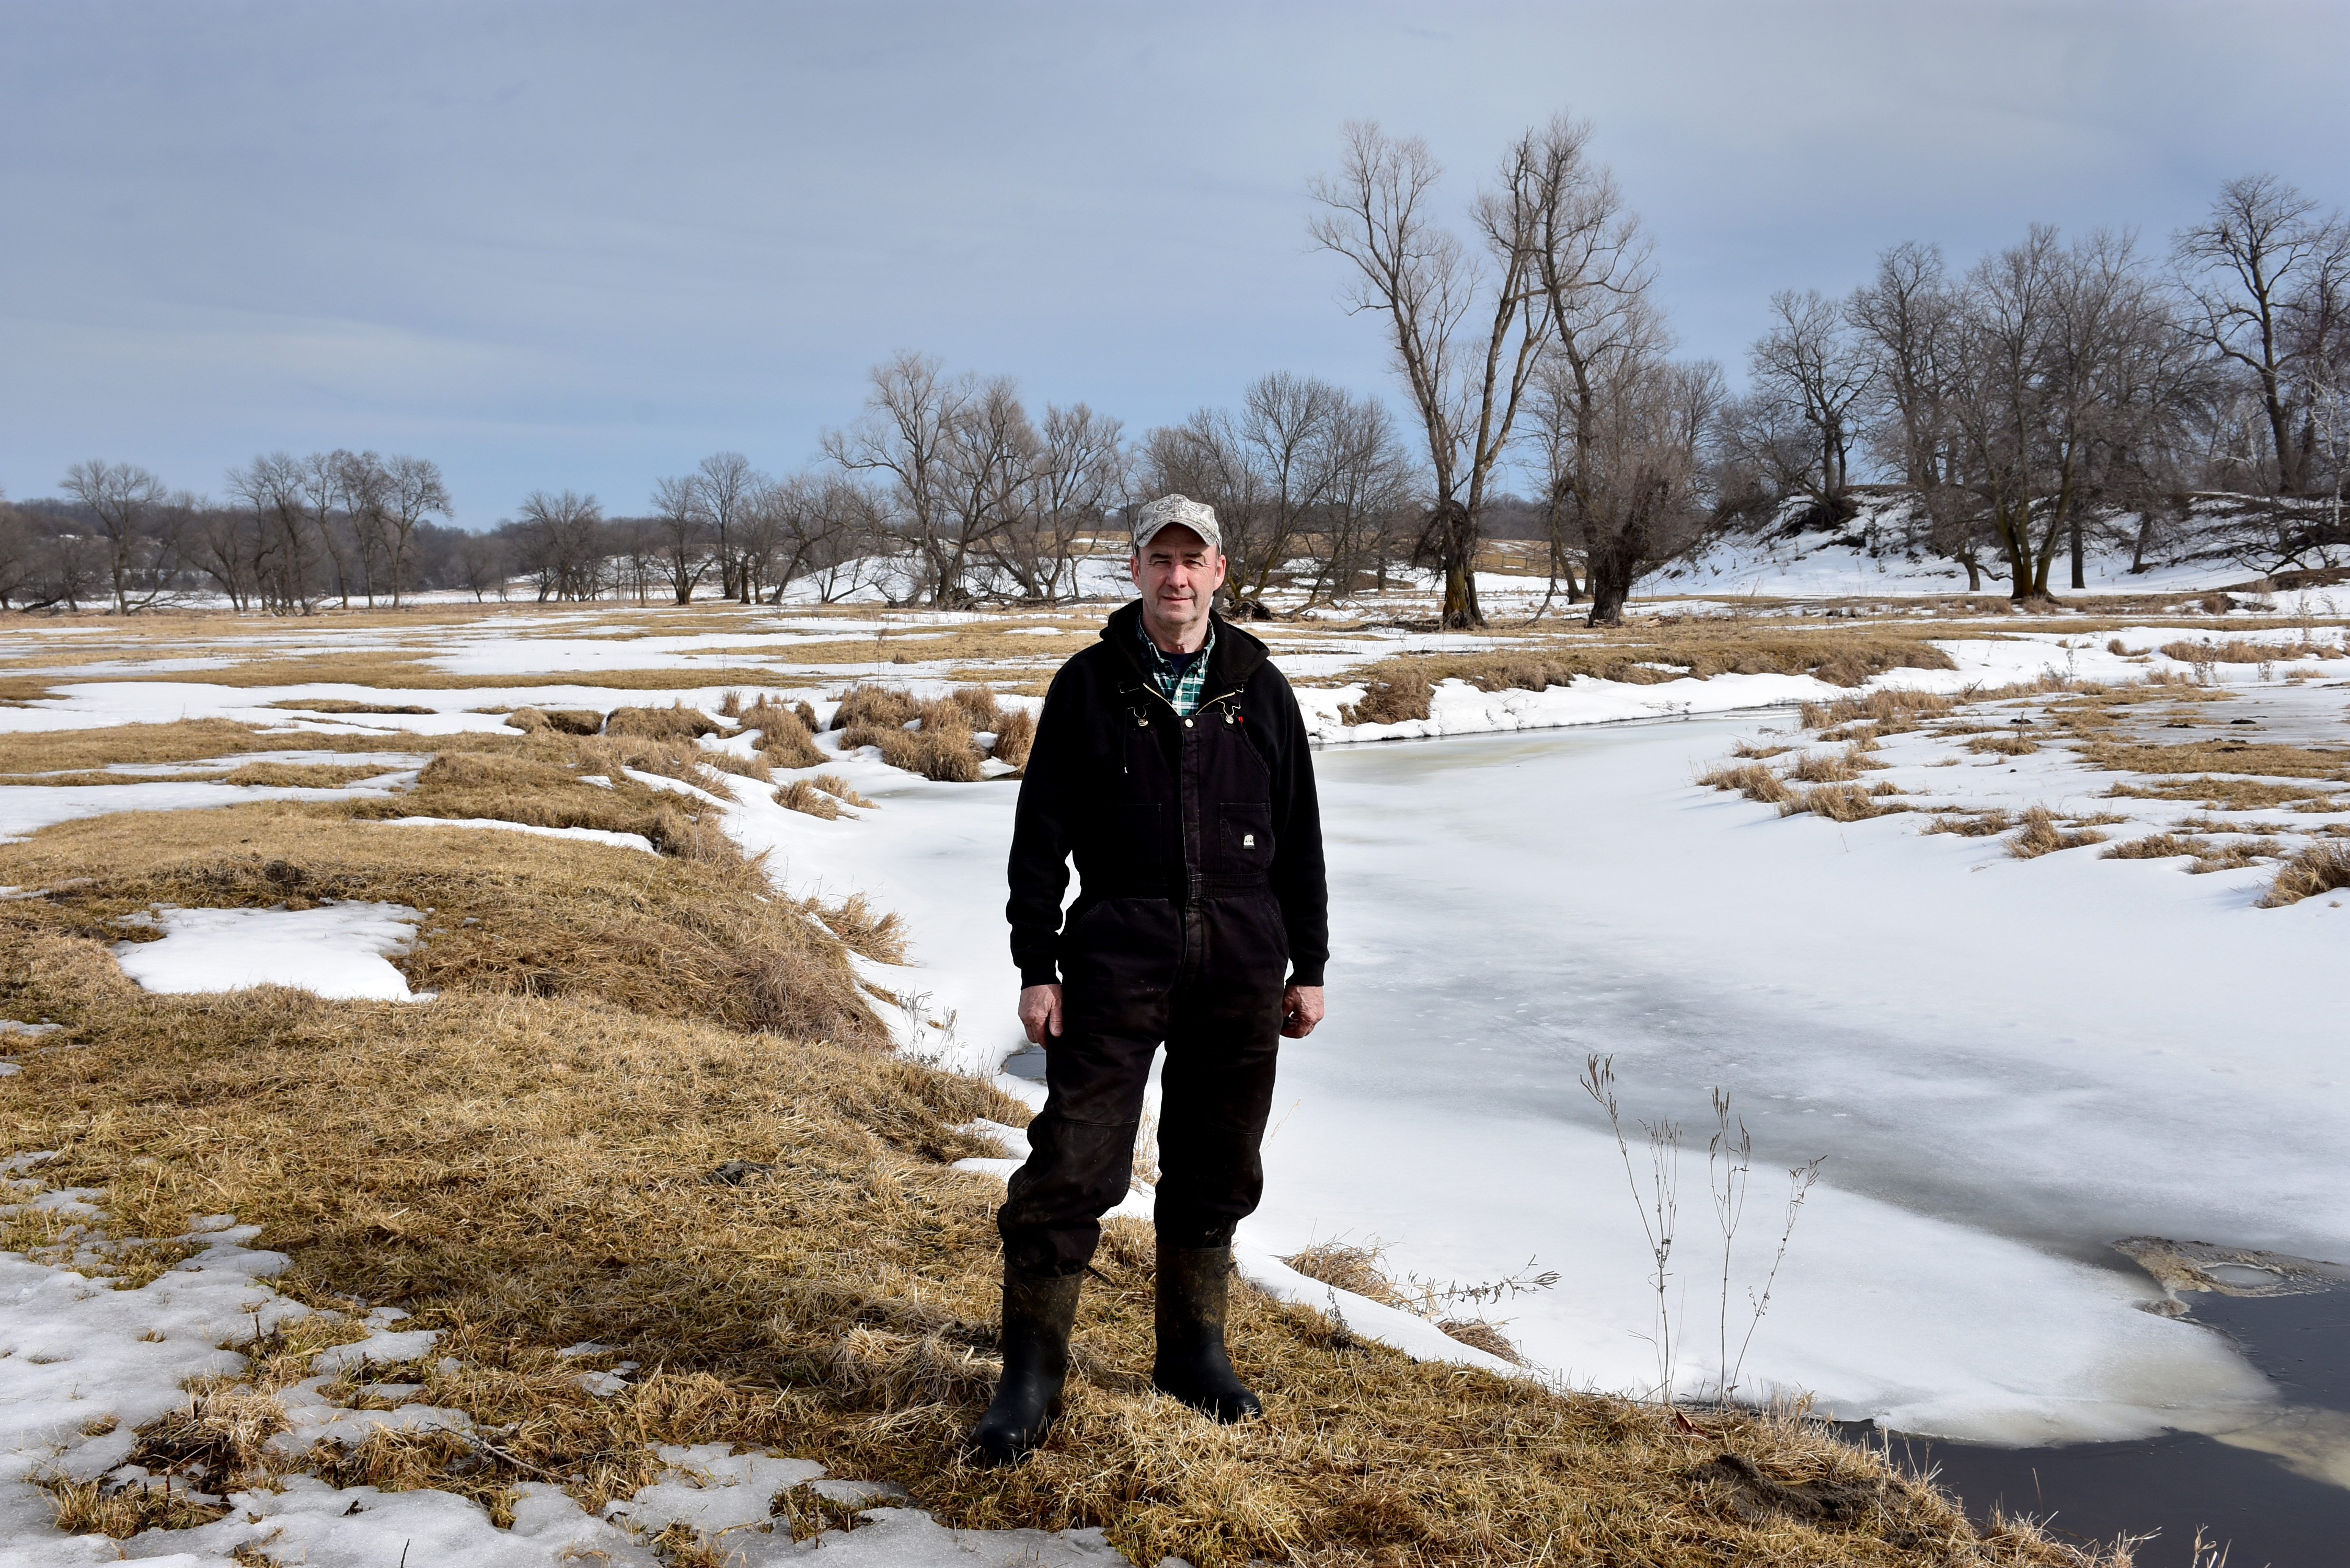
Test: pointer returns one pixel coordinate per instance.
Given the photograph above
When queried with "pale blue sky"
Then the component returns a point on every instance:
(584, 245)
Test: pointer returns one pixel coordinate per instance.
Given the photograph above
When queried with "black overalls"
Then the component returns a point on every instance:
(1198, 844)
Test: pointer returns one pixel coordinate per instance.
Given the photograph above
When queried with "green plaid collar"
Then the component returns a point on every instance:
(1182, 691)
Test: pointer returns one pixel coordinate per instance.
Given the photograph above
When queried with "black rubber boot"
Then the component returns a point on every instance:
(1195, 1288)
(1039, 1310)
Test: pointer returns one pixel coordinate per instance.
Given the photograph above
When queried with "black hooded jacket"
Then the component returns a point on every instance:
(1155, 805)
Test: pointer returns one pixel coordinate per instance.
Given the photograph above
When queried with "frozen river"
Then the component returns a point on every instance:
(2009, 1064)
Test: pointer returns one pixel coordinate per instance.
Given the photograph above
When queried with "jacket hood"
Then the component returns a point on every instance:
(1236, 656)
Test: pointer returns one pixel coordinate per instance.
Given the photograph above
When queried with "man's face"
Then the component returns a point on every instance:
(1179, 575)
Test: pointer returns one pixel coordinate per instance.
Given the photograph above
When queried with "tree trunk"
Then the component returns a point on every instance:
(1608, 570)
(2080, 581)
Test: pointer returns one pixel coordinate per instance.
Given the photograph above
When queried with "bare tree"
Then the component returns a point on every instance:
(2269, 279)
(683, 533)
(17, 555)
(561, 535)
(1076, 475)
(481, 563)
(415, 494)
(911, 411)
(988, 464)
(1466, 332)
(133, 513)
(726, 484)
(286, 561)
(1808, 373)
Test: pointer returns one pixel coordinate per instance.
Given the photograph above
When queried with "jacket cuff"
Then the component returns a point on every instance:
(1045, 973)
(1306, 974)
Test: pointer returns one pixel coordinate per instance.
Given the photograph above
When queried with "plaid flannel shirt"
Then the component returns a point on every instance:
(1182, 691)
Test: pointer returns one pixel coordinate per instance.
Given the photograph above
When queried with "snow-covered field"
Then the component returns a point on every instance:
(2009, 1063)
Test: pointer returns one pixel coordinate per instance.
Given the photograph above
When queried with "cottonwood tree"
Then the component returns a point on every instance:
(1466, 328)
(1623, 429)
(2268, 278)
(135, 516)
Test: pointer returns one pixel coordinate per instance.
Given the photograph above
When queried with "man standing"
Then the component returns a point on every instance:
(1171, 761)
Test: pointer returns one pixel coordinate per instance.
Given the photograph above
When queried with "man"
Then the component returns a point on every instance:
(1171, 761)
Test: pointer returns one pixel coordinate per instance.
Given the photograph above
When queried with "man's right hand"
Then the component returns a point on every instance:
(1040, 1013)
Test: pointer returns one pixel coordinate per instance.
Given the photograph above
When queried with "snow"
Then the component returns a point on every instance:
(582, 834)
(337, 950)
(83, 1367)
(26, 808)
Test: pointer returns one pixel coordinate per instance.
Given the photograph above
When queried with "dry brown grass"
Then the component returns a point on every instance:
(677, 723)
(841, 1307)
(2236, 651)
(1888, 712)
(1748, 749)
(563, 721)
(347, 705)
(1015, 734)
(301, 776)
(876, 934)
(1985, 823)
(1751, 780)
(2002, 743)
(526, 1166)
(2231, 793)
(510, 915)
(2040, 834)
(1404, 696)
(785, 736)
(2156, 846)
(1843, 802)
(839, 789)
(804, 796)
(2320, 868)
(2221, 756)
(942, 747)
(182, 740)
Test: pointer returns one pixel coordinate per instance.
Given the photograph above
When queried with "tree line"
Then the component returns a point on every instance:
(2051, 398)
(2057, 396)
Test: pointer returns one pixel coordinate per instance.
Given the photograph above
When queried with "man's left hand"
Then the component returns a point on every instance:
(1301, 1010)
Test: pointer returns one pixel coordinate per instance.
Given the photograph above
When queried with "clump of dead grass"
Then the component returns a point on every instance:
(1751, 780)
(1404, 697)
(801, 796)
(1746, 748)
(785, 739)
(2231, 793)
(2001, 743)
(1984, 823)
(2156, 846)
(839, 789)
(675, 722)
(561, 721)
(1842, 801)
(2040, 835)
(101, 1508)
(2238, 650)
(345, 705)
(1015, 734)
(941, 746)
(2320, 868)
(1891, 711)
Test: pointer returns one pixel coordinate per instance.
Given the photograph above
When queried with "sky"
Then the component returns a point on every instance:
(583, 245)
